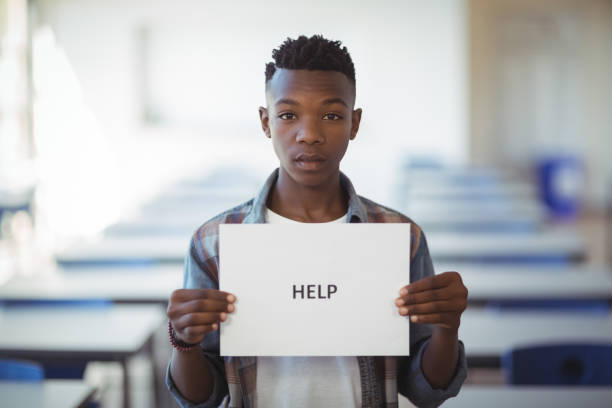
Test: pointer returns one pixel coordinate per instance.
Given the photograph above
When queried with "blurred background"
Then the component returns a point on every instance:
(125, 125)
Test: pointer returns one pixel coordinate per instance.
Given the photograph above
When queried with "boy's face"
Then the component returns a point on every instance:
(310, 119)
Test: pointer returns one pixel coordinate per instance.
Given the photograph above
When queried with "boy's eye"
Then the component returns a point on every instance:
(287, 116)
(331, 116)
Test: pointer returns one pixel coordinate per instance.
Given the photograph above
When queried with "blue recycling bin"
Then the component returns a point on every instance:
(560, 181)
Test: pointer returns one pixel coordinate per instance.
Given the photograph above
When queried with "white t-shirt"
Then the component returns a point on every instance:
(307, 381)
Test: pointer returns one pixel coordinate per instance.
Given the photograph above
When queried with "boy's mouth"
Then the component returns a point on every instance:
(310, 162)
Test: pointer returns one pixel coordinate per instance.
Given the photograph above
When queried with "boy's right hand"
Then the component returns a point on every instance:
(195, 312)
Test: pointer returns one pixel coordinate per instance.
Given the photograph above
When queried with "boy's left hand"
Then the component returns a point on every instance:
(438, 299)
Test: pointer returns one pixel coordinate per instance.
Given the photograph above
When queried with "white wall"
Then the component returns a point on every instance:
(207, 65)
(540, 82)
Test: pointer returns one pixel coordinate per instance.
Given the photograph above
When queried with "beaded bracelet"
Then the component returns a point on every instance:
(176, 343)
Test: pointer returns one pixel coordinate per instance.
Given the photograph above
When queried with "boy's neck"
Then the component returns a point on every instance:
(322, 203)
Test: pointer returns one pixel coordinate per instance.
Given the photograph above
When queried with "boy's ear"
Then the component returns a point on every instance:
(356, 119)
(263, 117)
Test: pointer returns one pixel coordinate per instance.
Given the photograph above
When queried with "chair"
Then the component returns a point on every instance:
(559, 364)
(20, 370)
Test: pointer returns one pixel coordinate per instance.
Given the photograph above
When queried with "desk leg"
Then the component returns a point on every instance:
(155, 377)
(126, 384)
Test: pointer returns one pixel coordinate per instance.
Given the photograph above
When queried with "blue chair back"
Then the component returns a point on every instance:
(65, 370)
(560, 364)
(20, 370)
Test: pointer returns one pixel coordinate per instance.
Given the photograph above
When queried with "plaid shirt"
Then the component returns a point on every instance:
(381, 377)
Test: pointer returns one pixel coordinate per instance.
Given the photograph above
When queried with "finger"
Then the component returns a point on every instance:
(431, 282)
(446, 320)
(191, 294)
(202, 305)
(198, 319)
(213, 294)
(432, 318)
(194, 334)
(426, 297)
(444, 306)
(195, 331)
(176, 309)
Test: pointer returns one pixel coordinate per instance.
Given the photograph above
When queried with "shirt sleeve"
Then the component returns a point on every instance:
(411, 381)
(196, 277)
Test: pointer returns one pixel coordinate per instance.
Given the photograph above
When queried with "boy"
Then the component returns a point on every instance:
(310, 118)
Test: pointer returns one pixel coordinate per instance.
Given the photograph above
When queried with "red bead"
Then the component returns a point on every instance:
(176, 343)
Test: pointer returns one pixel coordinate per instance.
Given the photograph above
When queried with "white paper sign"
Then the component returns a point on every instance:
(314, 289)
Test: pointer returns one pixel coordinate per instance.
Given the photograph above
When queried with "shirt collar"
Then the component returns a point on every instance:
(356, 210)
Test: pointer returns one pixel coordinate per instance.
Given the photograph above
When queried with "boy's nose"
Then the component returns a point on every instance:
(310, 133)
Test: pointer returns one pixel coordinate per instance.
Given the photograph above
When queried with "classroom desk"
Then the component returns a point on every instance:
(15, 197)
(472, 396)
(507, 190)
(488, 334)
(64, 334)
(191, 219)
(186, 217)
(119, 284)
(223, 177)
(135, 250)
(475, 222)
(193, 193)
(495, 282)
(143, 226)
(17, 194)
(432, 207)
(459, 175)
(46, 394)
(444, 247)
(209, 205)
(186, 221)
(549, 245)
(166, 222)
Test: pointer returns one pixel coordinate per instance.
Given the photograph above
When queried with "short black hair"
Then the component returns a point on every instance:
(314, 53)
